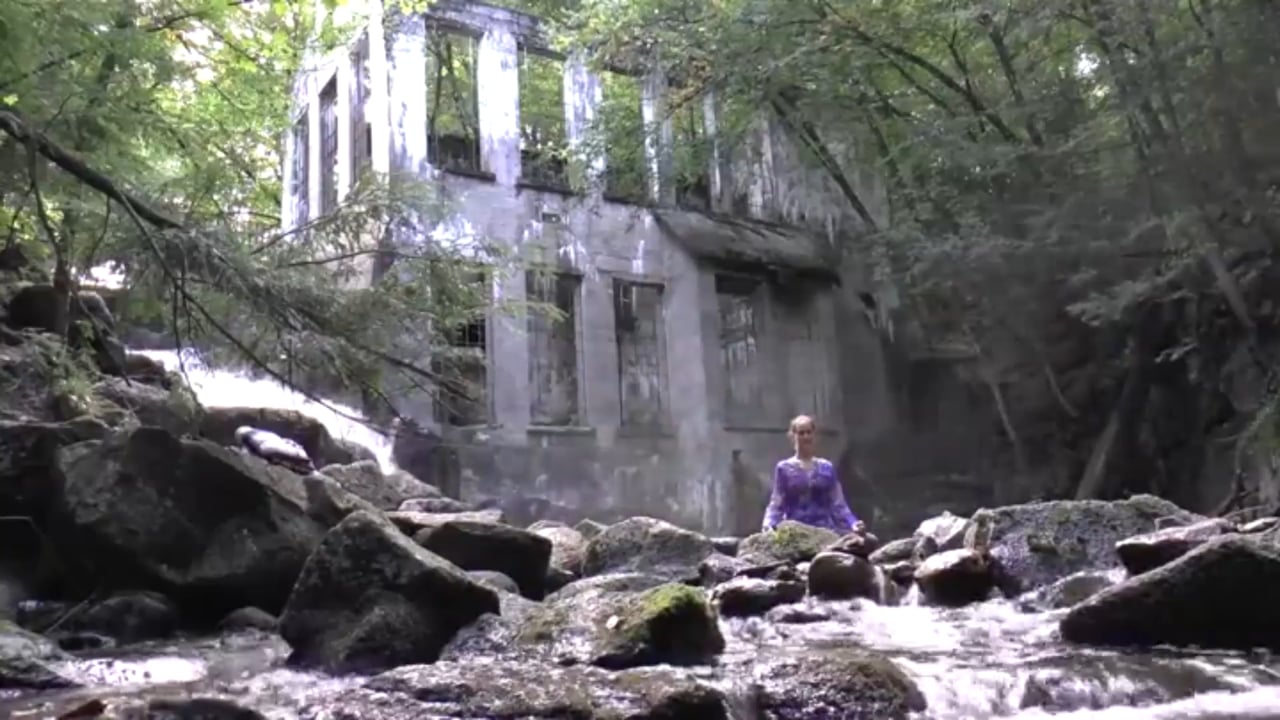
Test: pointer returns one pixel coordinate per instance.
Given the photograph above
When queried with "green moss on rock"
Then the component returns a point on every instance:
(671, 623)
(789, 542)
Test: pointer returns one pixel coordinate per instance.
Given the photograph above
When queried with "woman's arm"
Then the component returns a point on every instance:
(839, 506)
(777, 510)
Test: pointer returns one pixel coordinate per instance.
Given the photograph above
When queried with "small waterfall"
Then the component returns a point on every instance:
(215, 387)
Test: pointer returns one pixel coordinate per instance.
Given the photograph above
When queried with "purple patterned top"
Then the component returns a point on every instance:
(813, 497)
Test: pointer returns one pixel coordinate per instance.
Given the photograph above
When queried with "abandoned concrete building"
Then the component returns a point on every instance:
(701, 309)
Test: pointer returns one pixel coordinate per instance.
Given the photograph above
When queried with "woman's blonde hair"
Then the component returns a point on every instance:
(798, 421)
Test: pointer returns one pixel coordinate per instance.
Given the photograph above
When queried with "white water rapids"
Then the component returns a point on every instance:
(216, 387)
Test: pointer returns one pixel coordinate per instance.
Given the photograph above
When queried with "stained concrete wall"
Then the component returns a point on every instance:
(685, 470)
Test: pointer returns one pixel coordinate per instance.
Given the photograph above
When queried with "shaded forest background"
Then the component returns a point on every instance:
(1082, 193)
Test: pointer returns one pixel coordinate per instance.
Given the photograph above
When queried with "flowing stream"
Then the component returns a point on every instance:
(991, 660)
(984, 661)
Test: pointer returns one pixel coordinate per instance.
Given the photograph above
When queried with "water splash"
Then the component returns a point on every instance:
(224, 387)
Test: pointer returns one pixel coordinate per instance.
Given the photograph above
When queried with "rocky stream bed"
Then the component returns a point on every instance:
(228, 588)
(150, 570)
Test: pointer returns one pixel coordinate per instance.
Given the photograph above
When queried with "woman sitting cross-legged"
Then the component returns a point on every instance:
(806, 488)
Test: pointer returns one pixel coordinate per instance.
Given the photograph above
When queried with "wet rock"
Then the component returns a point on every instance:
(954, 578)
(945, 530)
(91, 324)
(726, 545)
(717, 568)
(859, 544)
(790, 542)
(752, 596)
(648, 545)
(902, 572)
(29, 482)
(568, 547)
(668, 624)
(894, 551)
(1039, 543)
(1067, 592)
(412, 522)
(30, 661)
(841, 576)
(197, 708)
(126, 617)
(249, 618)
(174, 410)
(354, 450)
(434, 505)
(205, 525)
(145, 369)
(328, 503)
(1219, 595)
(926, 547)
(519, 554)
(219, 425)
(495, 580)
(1145, 552)
(799, 614)
(535, 691)
(589, 528)
(369, 598)
(386, 492)
(836, 684)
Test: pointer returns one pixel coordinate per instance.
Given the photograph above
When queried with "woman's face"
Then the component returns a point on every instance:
(805, 438)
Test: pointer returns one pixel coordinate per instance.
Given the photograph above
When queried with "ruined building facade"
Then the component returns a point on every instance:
(698, 317)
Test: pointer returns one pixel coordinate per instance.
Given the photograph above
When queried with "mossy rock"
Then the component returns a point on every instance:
(1040, 543)
(838, 683)
(789, 542)
(671, 624)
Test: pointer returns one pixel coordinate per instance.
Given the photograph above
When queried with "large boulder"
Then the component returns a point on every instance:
(90, 323)
(173, 409)
(514, 689)
(836, 683)
(369, 599)
(519, 554)
(219, 425)
(568, 547)
(745, 596)
(213, 528)
(1219, 595)
(615, 628)
(647, 545)
(328, 503)
(1148, 551)
(1039, 543)
(411, 523)
(953, 578)
(840, 575)
(386, 491)
(789, 542)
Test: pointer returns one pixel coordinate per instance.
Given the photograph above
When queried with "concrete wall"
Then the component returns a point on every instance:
(684, 469)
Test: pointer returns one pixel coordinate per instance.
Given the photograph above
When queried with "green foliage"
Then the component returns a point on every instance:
(184, 106)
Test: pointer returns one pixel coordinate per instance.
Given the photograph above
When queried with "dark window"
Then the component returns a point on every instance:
(299, 186)
(637, 313)
(739, 301)
(453, 128)
(553, 347)
(329, 147)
